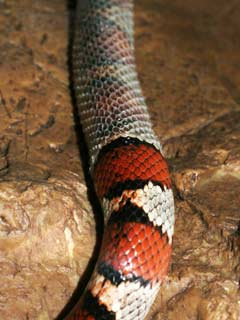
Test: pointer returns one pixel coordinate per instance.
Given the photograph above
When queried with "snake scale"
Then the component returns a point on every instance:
(129, 172)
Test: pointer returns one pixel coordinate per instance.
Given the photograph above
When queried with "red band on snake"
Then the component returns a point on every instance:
(130, 174)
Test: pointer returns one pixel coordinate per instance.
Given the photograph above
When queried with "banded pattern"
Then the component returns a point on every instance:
(130, 174)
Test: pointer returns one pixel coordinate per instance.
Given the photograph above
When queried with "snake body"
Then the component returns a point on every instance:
(129, 172)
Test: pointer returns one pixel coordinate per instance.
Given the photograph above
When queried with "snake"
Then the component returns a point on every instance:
(126, 163)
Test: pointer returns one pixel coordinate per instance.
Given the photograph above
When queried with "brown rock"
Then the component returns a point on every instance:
(45, 245)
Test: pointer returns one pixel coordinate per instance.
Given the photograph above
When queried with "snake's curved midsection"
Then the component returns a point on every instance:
(129, 172)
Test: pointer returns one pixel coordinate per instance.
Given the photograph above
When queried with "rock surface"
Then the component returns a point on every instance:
(188, 62)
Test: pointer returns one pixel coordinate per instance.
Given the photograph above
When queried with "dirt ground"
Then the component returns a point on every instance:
(188, 59)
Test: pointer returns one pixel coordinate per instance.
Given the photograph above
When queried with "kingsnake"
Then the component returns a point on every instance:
(129, 172)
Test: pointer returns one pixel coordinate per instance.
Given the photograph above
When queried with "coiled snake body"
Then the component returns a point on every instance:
(129, 172)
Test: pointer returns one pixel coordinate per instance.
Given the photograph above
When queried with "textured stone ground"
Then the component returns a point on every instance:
(188, 56)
